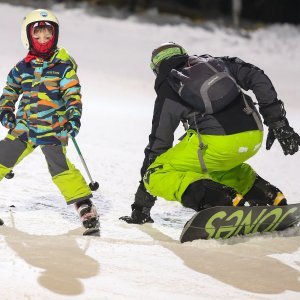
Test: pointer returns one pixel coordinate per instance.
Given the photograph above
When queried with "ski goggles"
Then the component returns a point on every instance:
(164, 54)
(41, 25)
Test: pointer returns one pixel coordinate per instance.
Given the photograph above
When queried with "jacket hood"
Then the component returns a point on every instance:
(62, 55)
(175, 62)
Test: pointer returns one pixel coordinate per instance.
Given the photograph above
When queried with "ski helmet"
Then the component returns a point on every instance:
(39, 17)
(165, 51)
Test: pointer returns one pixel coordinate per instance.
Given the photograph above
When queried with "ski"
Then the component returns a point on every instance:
(92, 232)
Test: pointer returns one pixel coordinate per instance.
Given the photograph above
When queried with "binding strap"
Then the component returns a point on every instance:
(250, 111)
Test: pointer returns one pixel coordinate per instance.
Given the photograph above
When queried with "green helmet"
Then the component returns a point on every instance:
(163, 52)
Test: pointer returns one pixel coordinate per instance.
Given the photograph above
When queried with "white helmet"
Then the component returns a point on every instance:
(35, 16)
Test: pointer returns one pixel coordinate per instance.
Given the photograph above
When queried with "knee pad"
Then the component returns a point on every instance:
(193, 195)
(264, 193)
(207, 193)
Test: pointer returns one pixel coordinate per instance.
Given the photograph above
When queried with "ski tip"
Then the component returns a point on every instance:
(92, 232)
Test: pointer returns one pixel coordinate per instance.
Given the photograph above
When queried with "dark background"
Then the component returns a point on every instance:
(264, 11)
(268, 11)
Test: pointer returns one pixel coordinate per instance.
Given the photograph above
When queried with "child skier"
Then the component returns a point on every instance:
(207, 167)
(48, 111)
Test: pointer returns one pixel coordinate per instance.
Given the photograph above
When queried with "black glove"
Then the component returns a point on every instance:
(141, 207)
(72, 126)
(137, 216)
(288, 139)
(8, 119)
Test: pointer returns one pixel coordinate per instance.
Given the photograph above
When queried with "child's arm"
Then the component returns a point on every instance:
(11, 91)
(70, 89)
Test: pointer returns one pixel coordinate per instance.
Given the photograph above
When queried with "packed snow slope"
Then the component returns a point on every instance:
(42, 252)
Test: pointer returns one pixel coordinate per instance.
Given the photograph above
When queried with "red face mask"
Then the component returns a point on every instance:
(41, 48)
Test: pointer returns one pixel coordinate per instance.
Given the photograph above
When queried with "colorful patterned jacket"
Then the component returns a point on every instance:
(50, 96)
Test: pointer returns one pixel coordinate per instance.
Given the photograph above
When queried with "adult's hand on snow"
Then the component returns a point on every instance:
(137, 217)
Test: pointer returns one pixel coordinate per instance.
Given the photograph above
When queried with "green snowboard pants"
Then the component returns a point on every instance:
(65, 176)
(224, 156)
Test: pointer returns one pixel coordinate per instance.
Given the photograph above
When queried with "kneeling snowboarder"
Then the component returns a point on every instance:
(207, 167)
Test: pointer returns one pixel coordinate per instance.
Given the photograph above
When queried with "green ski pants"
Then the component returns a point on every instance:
(224, 156)
(66, 177)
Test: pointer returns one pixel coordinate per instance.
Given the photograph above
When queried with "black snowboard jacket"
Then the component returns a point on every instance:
(170, 109)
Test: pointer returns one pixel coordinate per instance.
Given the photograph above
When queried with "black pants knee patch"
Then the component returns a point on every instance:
(193, 195)
(207, 193)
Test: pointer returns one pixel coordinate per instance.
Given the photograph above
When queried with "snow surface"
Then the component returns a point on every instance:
(42, 252)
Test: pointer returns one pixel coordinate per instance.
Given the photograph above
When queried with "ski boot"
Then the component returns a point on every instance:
(89, 217)
(264, 193)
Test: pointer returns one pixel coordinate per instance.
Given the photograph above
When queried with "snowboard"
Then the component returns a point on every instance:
(223, 222)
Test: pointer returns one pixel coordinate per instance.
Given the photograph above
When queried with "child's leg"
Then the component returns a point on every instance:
(66, 177)
(71, 184)
(12, 151)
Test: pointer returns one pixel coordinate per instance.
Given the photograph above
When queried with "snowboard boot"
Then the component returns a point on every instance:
(264, 193)
(88, 214)
(206, 193)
